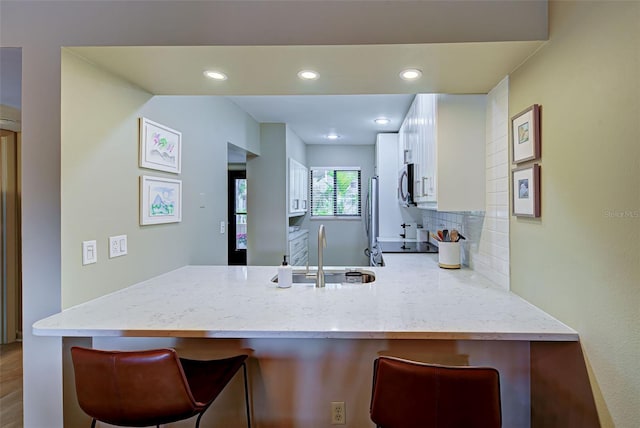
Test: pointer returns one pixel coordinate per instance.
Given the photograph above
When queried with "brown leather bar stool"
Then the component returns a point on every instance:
(153, 387)
(410, 394)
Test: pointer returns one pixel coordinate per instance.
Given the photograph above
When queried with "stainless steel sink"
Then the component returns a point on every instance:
(346, 276)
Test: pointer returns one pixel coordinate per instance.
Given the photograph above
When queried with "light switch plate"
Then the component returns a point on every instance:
(117, 246)
(89, 252)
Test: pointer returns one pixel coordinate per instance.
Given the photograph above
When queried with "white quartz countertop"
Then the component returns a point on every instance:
(411, 299)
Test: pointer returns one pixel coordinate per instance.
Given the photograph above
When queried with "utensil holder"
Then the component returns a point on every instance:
(449, 255)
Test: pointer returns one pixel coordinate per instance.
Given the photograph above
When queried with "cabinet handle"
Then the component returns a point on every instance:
(407, 156)
(424, 186)
(295, 204)
(304, 204)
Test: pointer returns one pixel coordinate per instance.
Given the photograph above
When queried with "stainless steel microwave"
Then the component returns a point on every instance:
(405, 186)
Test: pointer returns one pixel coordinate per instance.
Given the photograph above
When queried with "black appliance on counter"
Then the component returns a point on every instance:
(407, 247)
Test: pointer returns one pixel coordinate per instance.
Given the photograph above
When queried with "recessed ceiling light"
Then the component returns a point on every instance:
(332, 136)
(382, 121)
(410, 74)
(215, 75)
(308, 74)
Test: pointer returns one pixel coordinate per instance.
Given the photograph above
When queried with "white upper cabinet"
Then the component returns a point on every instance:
(444, 137)
(298, 188)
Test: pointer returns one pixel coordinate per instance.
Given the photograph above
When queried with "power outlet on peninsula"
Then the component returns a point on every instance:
(338, 415)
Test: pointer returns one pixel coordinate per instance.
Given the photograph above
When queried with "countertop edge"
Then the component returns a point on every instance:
(407, 335)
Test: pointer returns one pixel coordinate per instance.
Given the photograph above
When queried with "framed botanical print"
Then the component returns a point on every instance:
(160, 147)
(525, 131)
(526, 191)
(160, 200)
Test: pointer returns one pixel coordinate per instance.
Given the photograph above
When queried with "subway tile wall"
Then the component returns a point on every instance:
(469, 224)
(486, 249)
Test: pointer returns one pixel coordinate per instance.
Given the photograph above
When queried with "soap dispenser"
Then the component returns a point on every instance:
(285, 274)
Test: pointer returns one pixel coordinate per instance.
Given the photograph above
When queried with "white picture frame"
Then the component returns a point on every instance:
(160, 147)
(160, 200)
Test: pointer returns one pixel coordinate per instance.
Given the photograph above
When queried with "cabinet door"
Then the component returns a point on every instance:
(293, 187)
(400, 147)
(417, 133)
(298, 199)
(404, 155)
(429, 138)
(299, 187)
(418, 119)
(304, 188)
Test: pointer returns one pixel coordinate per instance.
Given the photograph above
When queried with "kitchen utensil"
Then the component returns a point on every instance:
(445, 235)
(436, 237)
(454, 236)
(440, 236)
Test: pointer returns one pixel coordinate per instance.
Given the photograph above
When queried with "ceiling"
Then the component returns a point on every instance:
(357, 83)
(313, 117)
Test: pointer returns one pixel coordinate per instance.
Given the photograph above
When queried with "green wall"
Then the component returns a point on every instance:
(100, 179)
(266, 198)
(346, 239)
(581, 260)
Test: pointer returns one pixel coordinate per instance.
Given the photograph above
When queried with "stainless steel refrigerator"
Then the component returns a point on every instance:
(372, 224)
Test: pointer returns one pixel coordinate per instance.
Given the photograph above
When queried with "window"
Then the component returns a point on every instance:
(335, 192)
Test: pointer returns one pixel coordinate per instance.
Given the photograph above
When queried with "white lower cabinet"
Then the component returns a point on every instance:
(299, 248)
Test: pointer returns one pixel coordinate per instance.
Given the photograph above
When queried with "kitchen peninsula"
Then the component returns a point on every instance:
(410, 298)
(413, 309)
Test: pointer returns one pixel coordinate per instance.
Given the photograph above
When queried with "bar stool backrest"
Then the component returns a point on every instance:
(413, 394)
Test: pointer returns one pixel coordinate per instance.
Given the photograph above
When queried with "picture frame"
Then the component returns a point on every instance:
(526, 191)
(160, 147)
(160, 200)
(525, 135)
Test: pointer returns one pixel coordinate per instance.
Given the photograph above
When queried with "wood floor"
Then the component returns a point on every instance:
(11, 385)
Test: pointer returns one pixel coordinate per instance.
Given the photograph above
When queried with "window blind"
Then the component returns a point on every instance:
(335, 192)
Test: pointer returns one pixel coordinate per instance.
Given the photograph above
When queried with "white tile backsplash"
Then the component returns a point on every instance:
(492, 256)
(486, 249)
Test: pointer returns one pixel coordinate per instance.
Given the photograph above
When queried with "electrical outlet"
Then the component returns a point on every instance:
(338, 415)
(117, 246)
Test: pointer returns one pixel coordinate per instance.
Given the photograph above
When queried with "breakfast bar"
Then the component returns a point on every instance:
(310, 346)
(410, 299)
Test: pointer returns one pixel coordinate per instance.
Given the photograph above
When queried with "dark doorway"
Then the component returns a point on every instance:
(237, 214)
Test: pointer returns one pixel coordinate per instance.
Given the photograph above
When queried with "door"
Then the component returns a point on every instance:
(10, 248)
(237, 214)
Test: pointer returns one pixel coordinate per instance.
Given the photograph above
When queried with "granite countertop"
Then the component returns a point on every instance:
(411, 299)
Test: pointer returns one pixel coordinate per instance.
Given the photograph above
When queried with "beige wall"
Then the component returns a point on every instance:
(581, 260)
(100, 179)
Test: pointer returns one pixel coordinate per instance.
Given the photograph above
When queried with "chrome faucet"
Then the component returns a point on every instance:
(322, 243)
